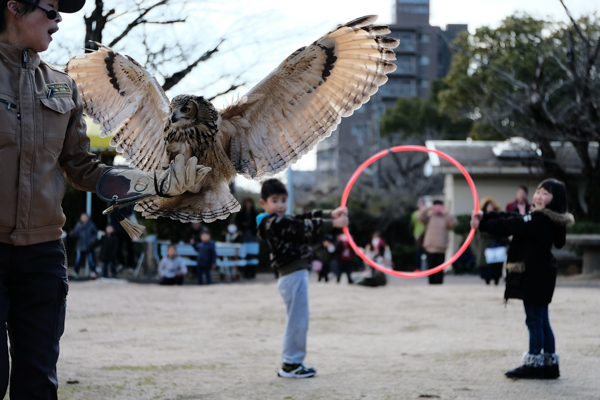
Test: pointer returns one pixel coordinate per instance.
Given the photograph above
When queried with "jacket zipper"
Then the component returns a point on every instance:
(8, 103)
(24, 65)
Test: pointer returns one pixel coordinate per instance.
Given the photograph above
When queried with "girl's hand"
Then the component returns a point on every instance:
(340, 222)
(339, 212)
(476, 218)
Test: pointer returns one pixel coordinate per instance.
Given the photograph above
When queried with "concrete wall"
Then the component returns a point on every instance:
(502, 189)
(459, 199)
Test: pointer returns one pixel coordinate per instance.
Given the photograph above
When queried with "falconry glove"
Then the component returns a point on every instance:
(124, 186)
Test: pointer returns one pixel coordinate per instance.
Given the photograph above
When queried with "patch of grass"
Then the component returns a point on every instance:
(412, 328)
(146, 381)
(65, 391)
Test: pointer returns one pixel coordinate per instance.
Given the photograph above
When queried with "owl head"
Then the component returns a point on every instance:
(188, 111)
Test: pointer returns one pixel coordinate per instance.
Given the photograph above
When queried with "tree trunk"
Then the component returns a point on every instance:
(94, 25)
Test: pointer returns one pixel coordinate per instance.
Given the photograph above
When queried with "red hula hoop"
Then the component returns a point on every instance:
(397, 149)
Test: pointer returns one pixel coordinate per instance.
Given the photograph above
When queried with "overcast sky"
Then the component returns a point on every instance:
(297, 23)
(475, 13)
(270, 30)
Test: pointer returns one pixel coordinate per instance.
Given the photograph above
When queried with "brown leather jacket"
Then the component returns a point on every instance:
(42, 137)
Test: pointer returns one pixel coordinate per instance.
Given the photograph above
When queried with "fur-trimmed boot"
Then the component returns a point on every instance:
(532, 368)
(551, 361)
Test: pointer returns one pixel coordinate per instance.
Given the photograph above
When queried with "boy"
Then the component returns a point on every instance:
(172, 268)
(207, 256)
(289, 239)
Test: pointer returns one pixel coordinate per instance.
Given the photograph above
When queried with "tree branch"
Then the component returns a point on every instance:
(579, 32)
(231, 89)
(139, 20)
(505, 75)
(175, 21)
(178, 76)
(94, 25)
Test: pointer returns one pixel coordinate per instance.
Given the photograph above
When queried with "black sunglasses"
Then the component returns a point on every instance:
(51, 14)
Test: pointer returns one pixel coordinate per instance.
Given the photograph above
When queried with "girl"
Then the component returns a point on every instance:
(531, 269)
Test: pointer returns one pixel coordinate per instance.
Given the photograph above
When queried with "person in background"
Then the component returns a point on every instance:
(438, 222)
(520, 205)
(86, 233)
(125, 253)
(207, 257)
(233, 236)
(109, 247)
(172, 269)
(418, 233)
(483, 240)
(377, 247)
(245, 220)
(325, 253)
(194, 232)
(345, 258)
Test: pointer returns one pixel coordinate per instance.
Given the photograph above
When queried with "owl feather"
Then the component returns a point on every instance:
(271, 127)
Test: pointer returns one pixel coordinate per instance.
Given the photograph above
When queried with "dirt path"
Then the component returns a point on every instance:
(408, 340)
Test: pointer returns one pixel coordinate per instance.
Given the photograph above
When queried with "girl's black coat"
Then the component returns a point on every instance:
(533, 237)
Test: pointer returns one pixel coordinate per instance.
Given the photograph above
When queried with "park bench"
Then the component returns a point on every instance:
(229, 255)
(590, 243)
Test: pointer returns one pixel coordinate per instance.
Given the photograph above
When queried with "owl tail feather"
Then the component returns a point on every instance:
(133, 230)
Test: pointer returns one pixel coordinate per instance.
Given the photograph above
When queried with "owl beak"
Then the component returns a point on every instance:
(175, 117)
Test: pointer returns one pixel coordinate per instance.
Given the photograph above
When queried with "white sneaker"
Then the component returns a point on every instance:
(296, 371)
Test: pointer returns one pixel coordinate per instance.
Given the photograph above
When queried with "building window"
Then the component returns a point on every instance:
(424, 84)
(407, 41)
(360, 130)
(413, 9)
(399, 88)
(424, 60)
(406, 65)
(424, 38)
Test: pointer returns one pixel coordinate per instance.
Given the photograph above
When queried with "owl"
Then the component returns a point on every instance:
(278, 121)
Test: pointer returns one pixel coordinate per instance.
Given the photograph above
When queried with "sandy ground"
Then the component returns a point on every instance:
(407, 340)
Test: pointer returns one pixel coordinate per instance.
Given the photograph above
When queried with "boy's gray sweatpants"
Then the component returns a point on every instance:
(294, 290)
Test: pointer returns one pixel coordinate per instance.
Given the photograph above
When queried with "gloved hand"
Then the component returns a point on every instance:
(129, 185)
(179, 177)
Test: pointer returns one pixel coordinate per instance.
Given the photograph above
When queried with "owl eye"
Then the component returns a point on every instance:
(185, 109)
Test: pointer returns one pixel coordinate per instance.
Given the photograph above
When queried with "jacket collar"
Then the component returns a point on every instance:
(14, 56)
(260, 217)
(565, 219)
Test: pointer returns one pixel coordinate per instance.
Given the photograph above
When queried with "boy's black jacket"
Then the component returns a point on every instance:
(289, 237)
(531, 266)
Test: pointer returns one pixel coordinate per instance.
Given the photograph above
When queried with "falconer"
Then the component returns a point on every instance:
(42, 141)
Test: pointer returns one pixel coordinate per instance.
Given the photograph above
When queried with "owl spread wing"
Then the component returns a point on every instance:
(304, 99)
(125, 100)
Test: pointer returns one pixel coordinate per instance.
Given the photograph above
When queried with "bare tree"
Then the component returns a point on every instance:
(189, 45)
(142, 14)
